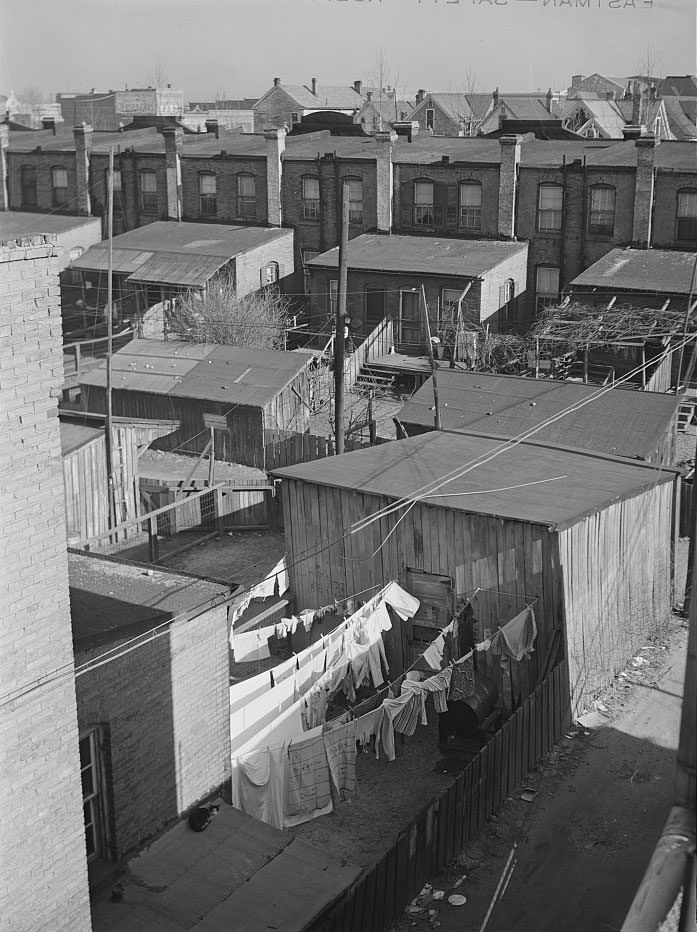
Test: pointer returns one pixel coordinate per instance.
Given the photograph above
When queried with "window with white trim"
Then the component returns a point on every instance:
(246, 197)
(546, 285)
(207, 194)
(686, 220)
(28, 181)
(430, 117)
(470, 206)
(59, 187)
(423, 204)
(601, 218)
(549, 205)
(355, 186)
(310, 198)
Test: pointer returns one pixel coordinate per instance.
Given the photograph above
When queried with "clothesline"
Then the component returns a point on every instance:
(515, 595)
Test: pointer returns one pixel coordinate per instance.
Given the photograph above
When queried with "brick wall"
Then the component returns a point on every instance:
(249, 264)
(128, 212)
(43, 869)
(668, 183)
(164, 711)
(42, 162)
(226, 170)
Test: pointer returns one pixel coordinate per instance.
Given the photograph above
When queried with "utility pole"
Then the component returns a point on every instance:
(109, 344)
(432, 360)
(340, 323)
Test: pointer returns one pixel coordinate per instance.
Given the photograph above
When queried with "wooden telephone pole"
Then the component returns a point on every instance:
(110, 346)
(432, 360)
(340, 323)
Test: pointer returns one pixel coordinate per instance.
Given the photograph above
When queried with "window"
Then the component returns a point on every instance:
(148, 191)
(29, 186)
(269, 274)
(246, 197)
(546, 286)
(333, 296)
(410, 312)
(310, 198)
(449, 306)
(430, 117)
(59, 187)
(307, 254)
(207, 194)
(471, 206)
(601, 220)
(506, 296)
(116, 189)
(355, 200)
(549, 200)
(92, 799)
(294, 118)
(686, 227)
(423, 203)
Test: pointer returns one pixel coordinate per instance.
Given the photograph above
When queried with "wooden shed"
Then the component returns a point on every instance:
(634, 424)
(586, 538)
(244, 398)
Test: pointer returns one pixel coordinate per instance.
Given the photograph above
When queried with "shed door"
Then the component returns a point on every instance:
(437, 609)
(410, 319)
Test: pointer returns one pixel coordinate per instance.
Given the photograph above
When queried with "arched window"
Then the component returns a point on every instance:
(549, 205)
(310, 191)
(207, 194)
(686, 220)
(601, 211)
(470, 206)
(424, 214)
(246, 196)
(148, 191)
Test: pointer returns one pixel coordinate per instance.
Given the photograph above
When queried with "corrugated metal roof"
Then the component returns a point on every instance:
(423, 254)
(508, 485)
(74, 436)
(229, 374)
(167, 268)
(619, 422)
(124, 261)
(656, 270)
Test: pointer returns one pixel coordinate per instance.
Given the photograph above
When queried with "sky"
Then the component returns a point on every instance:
(235, 48)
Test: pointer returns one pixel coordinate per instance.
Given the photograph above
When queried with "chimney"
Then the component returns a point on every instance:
(508, 184)
(173, 147)
(276, 82)
(549, 97)
(82, 134)
(369, 95)
(633, 131)
(48, 123)
(4, 143)
(495, 97)
(358, 87)
(577, 79)
(314, 86)
(212, 126)
(275, 147)
(420, 94)
(643, 192)
(384, 179)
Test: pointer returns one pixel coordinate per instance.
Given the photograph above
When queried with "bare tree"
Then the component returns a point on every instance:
(256, 320)
(32, 96)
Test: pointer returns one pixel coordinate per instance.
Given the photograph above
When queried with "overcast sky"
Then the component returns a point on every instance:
(236, 47)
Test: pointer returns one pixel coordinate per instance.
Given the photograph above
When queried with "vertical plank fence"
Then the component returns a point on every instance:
(446, 825)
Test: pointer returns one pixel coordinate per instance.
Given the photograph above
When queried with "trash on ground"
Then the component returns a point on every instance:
(528, 795)
(438, 894)
(592, 720)
(459, 880)
(457, 899)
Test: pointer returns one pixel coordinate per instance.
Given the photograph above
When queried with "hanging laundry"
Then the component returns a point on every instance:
(438, 686)
(253, 645)
(519, 634)
(337, 722)
(247, 720)
(308, 781)
(433, 655)
(462, 682)
(281, 574)
(340, 745)
(310, 671)
(307, 618)
(236, 609)
(284, 670)
(401, 601)
(266, 587)
(286, 626)
(368, 725)
(313, 709)
(261, 785)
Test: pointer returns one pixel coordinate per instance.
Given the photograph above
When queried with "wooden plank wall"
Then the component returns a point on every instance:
(617, 571)
(242, 508)
(502, 564)
(378, 343)
(290, 409)
(448, 823)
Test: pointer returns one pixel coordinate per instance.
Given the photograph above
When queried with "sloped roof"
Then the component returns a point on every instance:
(531, 482)
(328, 97)
(661, 271)
(682, 116)
(422, 254)
(16, 223)
(229, 374)
(606, 114)
(455, 105)
(619, 422)
(75, 436)
(527, 108)
(682, 85)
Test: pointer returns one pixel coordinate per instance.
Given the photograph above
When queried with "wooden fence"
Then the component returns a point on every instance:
(445, 826)
(302, 448)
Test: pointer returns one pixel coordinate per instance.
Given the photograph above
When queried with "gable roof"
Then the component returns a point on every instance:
(678, 85)
(661, 271)
(606, 114)
(618, 422)
(456, 106)
(328, 97)
(230, 374)
(425, 255)
(681, 113)
(531, 482)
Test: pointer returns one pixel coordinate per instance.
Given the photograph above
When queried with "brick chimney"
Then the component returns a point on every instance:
(173, 136)
(48, 123)
(276, 82)
(420, 94)
(384, 179)
(636, 104)
(212, 126)
(4, 143)
(358, 87)
(643, 191)
(275, 147)
(549, 97)
(82, 134)
(508, 184)
(495, 98)
(314, 86)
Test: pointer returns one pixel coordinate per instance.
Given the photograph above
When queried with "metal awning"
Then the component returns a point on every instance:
(171, 268)
(124, 261)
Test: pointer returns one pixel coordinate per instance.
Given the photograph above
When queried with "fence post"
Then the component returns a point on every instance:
(152, 540)
(219, 510)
